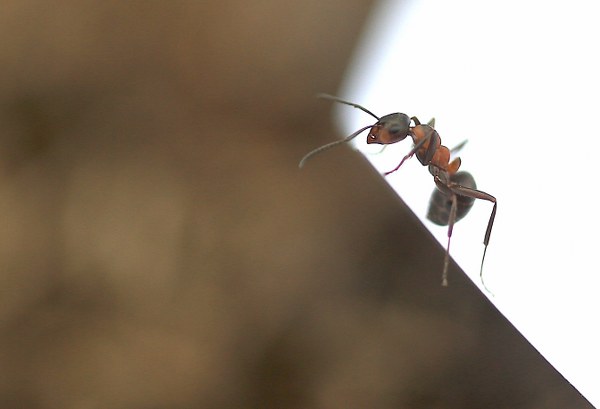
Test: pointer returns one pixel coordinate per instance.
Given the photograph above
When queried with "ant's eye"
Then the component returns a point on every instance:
(394, 129)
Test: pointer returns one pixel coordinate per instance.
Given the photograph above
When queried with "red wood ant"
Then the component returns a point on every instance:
(455, 190)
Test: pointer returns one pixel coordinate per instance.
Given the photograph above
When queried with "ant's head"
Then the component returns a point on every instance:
(389, 129)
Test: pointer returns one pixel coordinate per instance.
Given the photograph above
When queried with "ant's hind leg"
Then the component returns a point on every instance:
(478, 194)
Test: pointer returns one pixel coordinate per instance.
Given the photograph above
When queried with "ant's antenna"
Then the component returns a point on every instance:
(346, 139)
(352, 104)
(331, 145)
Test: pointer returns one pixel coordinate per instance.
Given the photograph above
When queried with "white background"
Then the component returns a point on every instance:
(521, 81)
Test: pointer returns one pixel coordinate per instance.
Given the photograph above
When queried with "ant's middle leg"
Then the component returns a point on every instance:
(447, 190)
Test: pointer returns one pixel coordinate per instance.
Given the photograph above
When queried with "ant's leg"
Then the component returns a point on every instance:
(451, 220)
(434, 143)
(478, 194)
(459, 146)
(409, 154)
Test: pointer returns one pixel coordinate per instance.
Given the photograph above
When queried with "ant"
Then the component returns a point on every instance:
(456, 191)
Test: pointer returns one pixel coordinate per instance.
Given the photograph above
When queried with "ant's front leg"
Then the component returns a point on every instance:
(431, 148)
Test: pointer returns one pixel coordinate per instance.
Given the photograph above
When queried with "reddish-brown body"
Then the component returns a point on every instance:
(441, 155)
(430, 152)
(427, 145)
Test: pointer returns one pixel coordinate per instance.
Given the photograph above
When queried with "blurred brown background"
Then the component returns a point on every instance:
(160, 248)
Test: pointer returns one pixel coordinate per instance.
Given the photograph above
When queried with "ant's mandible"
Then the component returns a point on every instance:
(457, 189)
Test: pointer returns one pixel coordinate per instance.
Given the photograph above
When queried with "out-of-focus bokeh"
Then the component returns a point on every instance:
(159, 247)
